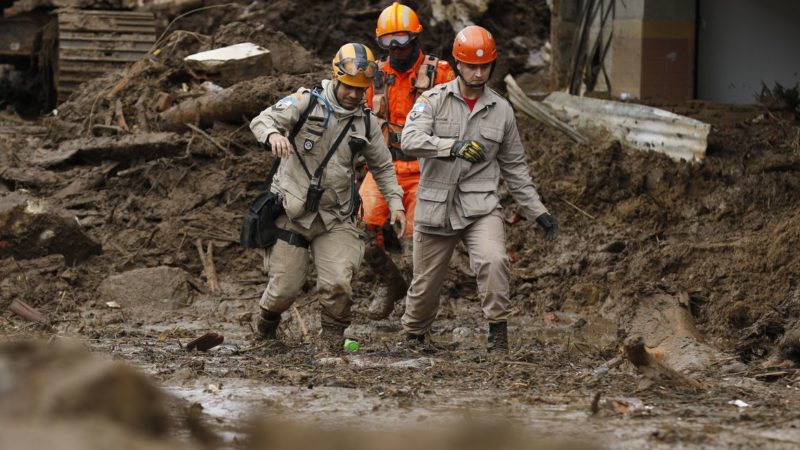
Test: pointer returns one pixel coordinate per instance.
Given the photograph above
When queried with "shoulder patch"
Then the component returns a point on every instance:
(418, 108)
(286, 102)
(420, 105)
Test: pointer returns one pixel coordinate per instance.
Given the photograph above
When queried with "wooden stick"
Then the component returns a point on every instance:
(132, 71)
(120, 115)
(213, 281)
(300, 321)
(576, 208)
(207, 259)
(208, 136)
(28, 312)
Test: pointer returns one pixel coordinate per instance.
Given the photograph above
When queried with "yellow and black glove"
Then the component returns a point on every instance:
(472, 151)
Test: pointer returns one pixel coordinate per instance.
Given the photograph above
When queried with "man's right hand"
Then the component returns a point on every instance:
(472, 151)
(281, 147)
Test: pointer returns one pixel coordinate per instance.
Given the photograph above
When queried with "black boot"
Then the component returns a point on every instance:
(393, 286)
(267, 324)
(498, 337)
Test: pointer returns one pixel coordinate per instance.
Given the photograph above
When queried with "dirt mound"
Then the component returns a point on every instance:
(723, 230)
(520, 27)
(66, 382)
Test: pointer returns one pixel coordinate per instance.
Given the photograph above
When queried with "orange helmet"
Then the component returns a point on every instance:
(400, 20)
(474, 45)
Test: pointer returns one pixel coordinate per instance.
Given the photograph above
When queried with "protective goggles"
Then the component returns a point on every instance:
(399, 39)
(352, 66)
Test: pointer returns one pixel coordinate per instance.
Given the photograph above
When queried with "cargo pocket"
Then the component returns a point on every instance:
(492, 138)
(478, 198)
(444, 129)
(308, 139)
(431, 207)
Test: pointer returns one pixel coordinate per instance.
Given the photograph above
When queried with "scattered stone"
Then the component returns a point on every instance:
(160, 288)
(32, 228)
(234, 63)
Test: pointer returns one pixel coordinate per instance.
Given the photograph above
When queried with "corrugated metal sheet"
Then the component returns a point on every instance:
(638, 126)
(92, 43)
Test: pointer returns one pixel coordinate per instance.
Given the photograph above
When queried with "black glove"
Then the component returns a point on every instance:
(550, 226)
(472, 151)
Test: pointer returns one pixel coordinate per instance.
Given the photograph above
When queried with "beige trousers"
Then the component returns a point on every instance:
(486, 243)
(337, 256)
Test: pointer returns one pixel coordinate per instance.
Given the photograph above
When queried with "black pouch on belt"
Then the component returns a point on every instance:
(258, 228)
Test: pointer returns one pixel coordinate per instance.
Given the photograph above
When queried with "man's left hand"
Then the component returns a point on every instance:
(398, 221)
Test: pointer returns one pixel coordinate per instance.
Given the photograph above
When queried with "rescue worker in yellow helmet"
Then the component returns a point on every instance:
(318, 134)
(402, 76)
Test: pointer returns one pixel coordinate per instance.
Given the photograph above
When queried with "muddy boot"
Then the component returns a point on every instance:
(417, 343)
(267, 324)
(498, 337)
(331, 340)
(393, 287)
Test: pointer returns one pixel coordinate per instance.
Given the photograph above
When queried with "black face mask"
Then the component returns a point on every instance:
(403, 65)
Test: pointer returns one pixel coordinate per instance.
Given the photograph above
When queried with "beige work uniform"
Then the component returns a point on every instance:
(458, 201)
(335, 240)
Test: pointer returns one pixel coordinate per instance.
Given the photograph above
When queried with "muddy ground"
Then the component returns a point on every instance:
(700, 260)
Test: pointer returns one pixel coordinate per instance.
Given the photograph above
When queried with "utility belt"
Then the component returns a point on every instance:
(292, 238)
(392, 134)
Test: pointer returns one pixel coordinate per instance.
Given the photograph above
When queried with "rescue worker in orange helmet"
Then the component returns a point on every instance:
(402, 77)
(467, 137)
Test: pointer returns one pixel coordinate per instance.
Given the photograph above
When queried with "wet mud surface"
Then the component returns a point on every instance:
(700, 260)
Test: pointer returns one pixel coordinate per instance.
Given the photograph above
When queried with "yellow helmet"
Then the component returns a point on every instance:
(354, 65)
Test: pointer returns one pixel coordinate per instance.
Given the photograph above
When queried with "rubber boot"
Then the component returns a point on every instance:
(267, 324)
(393, 285)
(498, 337)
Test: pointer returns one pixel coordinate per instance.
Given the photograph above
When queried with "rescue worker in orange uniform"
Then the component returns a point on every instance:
(402, 77)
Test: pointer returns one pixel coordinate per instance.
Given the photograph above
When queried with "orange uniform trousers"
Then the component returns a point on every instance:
(376, 211)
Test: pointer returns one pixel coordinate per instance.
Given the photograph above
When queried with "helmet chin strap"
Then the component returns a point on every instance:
(472, 85)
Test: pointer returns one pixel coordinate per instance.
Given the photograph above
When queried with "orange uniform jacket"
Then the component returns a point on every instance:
(392, 103)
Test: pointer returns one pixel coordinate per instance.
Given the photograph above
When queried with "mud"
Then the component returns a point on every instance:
(698, 259)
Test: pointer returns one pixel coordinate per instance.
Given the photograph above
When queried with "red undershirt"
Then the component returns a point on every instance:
(471, 102)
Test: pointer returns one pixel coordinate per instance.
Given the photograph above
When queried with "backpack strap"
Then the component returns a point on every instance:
(329, 155)
(292, 134)
(426, 74)
(367, 122)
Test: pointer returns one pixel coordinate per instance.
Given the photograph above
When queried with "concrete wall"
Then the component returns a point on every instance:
(744, 42)
(654, 49)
